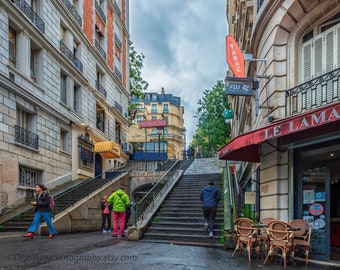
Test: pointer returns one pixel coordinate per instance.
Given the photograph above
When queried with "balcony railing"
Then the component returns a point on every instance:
(118, 42)
(29, 12)
(100, 89)
(73, 11)
(100, 11)
(117, 9)
(118, 107)
(100, 49)
(118, 73)
(76, 62)
(25, 137)
(313, 94)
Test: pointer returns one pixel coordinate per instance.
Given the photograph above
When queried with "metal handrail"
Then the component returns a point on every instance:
(149, 199)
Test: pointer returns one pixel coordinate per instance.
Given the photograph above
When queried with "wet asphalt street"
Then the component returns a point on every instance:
(94, 250)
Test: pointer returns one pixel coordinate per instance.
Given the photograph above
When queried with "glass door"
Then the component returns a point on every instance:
(315, 209)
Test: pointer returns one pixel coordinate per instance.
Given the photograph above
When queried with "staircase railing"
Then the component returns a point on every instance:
(148, 201)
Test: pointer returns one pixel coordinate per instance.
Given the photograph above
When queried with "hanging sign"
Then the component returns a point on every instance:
(249, 197)
(234, 56)
(239, 86)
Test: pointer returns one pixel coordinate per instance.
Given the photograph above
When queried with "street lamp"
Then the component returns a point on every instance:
(159, 132)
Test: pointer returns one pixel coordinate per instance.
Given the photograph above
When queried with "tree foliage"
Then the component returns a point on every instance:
(137, 85)
(212, 132)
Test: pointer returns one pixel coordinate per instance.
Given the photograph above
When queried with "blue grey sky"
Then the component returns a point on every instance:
(183, 42)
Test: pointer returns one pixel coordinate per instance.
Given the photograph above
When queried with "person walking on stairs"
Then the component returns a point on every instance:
(42, 210)
(210, 197)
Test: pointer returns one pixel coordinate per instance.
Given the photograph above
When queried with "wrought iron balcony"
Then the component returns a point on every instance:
(100, 49)
(100, 11)
(118, 42)
(100, 89)
(117, 9)
(313, 94)
(73, 11)
(118, 107)
(76, 62)
(118, 74)
(30, 13)
(26, 137)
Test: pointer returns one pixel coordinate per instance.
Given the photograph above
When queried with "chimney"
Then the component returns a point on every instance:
(163, 91)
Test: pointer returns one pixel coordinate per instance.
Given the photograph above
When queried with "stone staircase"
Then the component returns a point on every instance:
(180, 218)
(63, 200)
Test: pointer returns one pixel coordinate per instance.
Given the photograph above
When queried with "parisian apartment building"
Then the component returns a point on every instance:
(169, 139)
(284, 147)
(64, 92)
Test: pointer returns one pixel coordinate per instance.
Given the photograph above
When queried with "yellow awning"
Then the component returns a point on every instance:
(109, 149)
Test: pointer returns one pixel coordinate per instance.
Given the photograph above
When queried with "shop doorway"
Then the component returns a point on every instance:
(317, 187)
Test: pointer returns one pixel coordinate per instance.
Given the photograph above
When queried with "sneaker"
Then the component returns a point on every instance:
(104, 231)
(114, 236)
(211, 234)
(109, 231)
(205, 228)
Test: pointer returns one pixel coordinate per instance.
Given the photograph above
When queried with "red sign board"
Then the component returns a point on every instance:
(234, 57)
(153, 123)
(287, 126)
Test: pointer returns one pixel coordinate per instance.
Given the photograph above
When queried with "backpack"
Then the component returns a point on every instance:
(51, 202)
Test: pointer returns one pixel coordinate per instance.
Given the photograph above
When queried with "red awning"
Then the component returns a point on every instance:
(314, 123)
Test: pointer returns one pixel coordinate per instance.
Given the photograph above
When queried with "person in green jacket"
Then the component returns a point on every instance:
(119, 201)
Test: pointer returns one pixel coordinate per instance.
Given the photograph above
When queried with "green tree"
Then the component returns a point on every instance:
(137, 85)
(212, 132)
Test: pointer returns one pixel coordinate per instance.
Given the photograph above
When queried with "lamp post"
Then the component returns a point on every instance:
(159, 132)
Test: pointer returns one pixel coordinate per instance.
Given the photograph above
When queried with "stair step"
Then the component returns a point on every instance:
(182, 237)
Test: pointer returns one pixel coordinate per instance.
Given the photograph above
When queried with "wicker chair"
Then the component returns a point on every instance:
(302, 236)
(281, 236)
(263, 236)
(246, 233)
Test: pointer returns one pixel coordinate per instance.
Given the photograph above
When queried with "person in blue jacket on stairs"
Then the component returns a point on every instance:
(210, 197)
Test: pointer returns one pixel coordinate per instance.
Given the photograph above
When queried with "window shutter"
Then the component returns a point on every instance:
(318, 57)
(307, 62)
(329, 51)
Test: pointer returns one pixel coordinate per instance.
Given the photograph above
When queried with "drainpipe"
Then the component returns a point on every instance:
(228, 199)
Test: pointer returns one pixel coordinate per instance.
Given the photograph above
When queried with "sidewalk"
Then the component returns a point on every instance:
(94, 250)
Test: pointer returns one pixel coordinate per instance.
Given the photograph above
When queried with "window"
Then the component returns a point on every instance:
(139, 118)
(166, 133)
(29, 177)
(64, 140)
(154, 97)
(35, 62)
(153, 108)
(166, 108)
(76, 98)
(63, 88)
(85, 152)
(118, 131)
(100, 118)
(24, 129)
(320, 51)
(154, 118)
(12, 41)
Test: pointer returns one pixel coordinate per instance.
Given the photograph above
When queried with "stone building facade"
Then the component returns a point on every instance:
(285, 136)
(158, 106)
(63, 89)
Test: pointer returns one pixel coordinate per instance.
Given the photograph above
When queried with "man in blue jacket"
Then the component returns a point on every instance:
(210, 197)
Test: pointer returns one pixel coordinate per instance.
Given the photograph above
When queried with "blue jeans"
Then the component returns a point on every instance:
(37, 221)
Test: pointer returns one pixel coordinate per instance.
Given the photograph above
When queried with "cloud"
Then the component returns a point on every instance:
(183, 44)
